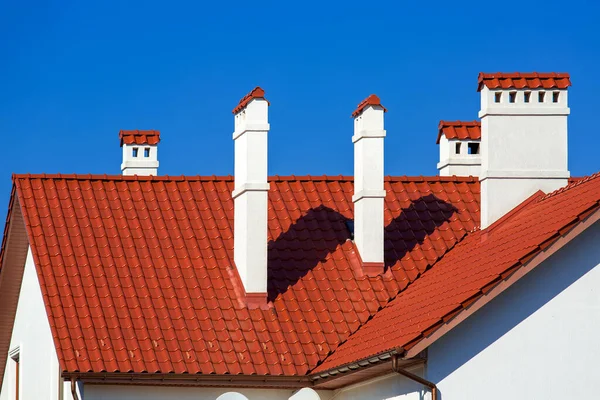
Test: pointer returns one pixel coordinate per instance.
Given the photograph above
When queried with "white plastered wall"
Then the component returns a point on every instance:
(139, 163)
(39, 375)
(129, 392)
(369, 192)
(523, 148)
(458, 163)
(388, 387)
(251, 195)
(537, 340)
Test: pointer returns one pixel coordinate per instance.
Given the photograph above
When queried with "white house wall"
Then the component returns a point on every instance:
(124, 392)
(537, 340)
(39, 370)
(389, 387)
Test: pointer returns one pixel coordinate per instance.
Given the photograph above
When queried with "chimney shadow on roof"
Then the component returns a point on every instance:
(415, 223)
(321, 230)
(307, 242)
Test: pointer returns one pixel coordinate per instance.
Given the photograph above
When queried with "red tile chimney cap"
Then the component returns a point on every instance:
(523, 80)
(256, 93)
(372, 100)
(139, 137)
(459, 130)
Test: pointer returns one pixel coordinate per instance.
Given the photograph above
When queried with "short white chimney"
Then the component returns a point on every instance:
(523, 138)
(460, 143)
(140, 152)
(369, 193)
(251, 194)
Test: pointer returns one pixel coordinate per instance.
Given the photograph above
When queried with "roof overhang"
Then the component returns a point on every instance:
(329, 380)
(12, 259)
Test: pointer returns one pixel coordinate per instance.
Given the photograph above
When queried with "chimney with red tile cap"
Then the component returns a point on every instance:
(523, 138)
(140, 152)
(250, 194)
(369, 193)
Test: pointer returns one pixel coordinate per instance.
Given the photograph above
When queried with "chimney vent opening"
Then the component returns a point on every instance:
(497, 97)
(526, 97)
(541, 96)
(458, 148)
(512, 96)
(134, 152)
(147, 152)
(473, 148)
(555, 97)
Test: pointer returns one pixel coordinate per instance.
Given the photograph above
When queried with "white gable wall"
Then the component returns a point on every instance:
(537, 340)
(39, 370)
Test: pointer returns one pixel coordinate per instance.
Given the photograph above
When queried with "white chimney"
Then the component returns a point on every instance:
(460, 144)
(140, 152)
(369, 193)
(251, 194)
(523, 138)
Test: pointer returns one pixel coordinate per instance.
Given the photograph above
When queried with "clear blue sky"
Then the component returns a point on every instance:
(73, 73)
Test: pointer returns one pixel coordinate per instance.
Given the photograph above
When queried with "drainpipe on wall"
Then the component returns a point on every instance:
(74, 388)
(396, 368)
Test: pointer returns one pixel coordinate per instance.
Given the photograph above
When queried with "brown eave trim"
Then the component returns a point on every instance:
(538, 259)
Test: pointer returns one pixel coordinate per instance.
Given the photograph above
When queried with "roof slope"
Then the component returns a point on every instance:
(137, 273)
(470, 269)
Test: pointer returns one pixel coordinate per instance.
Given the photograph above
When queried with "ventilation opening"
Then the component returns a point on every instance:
(473, 148)
(147, 152)
(555, 97)
(497, 97)
(512, 96)
(134, 152)
(458, 148)
(541, 96)
(527, 97)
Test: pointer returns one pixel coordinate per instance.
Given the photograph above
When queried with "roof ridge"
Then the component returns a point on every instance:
(516, 210)
(275, 178)
(392, 298)
(571, 185)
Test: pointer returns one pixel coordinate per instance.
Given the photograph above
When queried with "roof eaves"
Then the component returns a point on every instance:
(14, 255)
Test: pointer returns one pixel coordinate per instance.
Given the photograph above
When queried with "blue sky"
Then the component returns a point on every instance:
(73, 73)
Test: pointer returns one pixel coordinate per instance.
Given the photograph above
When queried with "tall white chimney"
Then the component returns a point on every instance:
(369, 193)
(460, 144)
(140, 152)
(251, 194)
(523, 138)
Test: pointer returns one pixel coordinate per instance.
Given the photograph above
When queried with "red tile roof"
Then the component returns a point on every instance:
(459, 130)
(532, 80)
(256, 93)
(473, 267)
(137, 273)
(139, 137)
(372, 100)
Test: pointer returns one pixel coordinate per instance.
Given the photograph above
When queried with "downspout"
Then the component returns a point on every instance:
(396, 368)
(74, 388)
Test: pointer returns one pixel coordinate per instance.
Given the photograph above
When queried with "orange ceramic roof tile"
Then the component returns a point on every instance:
(474, 265)
(137, 273)
(517, 80)
(256, 93)
(459, 130)
(372, 100)
(139, 137)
